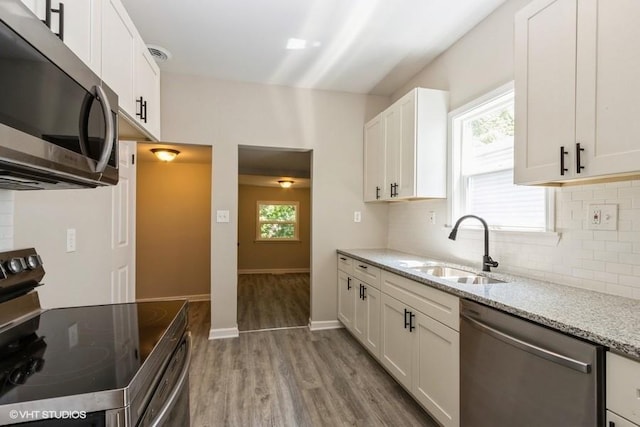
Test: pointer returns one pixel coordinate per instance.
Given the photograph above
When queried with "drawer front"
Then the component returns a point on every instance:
(439, 305)
(614, 420)
(345, 264)
(623, 387)
(367, 273)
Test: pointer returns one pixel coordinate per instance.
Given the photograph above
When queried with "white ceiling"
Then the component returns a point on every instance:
(272, 181)
(366, 46)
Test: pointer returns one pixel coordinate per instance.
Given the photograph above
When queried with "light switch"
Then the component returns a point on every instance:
(602, 217)
(71, 239)
(222, 216)
(432, 217)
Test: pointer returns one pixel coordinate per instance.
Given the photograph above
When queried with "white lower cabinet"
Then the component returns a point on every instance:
(412, 329)
(623, 385)
(436, 373)
(397, 341)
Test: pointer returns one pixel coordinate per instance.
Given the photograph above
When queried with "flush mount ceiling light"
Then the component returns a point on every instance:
(285, 183)
(159, 53)
(165, 154)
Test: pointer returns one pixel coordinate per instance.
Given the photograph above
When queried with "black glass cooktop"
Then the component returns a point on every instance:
(79, 350)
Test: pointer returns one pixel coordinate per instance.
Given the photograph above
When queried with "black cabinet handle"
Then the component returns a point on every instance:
(562, 154)
(47, 17)
(579, 150)
(612, 424)
(140, 111)
(360, 296)
(377, 192)
(144, 106)
(394, 189)
(406, 322)
(411, 317)
(348, 283)
(364, 293)
(362, 266)
(391, 190)
(343, 258)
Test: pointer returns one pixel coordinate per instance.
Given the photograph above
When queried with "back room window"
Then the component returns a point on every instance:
(277, 220)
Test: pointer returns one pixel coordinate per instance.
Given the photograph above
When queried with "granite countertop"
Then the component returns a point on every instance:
(601, 318)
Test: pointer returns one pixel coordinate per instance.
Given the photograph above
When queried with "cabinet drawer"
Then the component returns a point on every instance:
(623, 387)
(345, 264)
(367, 273)
(439, 305)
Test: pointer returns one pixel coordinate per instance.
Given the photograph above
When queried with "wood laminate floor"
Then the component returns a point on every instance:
(267, 301)
(291, 377)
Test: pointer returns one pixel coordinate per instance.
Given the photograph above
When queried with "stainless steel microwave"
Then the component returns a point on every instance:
(58, 120)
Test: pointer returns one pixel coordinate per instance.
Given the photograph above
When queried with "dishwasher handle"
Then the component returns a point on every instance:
(531, 348)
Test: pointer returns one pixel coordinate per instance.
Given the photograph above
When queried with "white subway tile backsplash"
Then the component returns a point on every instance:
(605, 261)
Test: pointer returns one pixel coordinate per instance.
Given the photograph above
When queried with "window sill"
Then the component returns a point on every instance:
(545, 238)
(277, 241)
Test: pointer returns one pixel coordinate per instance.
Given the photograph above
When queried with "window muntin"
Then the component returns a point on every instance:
(277, 221)
(482, 135)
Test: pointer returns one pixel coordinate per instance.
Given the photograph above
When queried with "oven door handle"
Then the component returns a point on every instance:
(531, 348)
(168, 405)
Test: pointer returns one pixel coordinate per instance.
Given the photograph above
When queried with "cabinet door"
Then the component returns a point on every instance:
(147, 87)
(346, 299)
(360, 316)
(436, 369)
(372, 304)
(391, 125)
(82, 32)
(118, 53)
(407, 146)
(396, 341)
(608, 70)
(374, 162)
(545, 86)
(614, 420)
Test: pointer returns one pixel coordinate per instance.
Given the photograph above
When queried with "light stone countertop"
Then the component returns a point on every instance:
(601, 318)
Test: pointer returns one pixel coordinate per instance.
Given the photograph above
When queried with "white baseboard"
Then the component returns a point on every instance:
(273, 270)
(197, 297)
(222, 333)
(324, 324)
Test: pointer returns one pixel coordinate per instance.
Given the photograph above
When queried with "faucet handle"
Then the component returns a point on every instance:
(487, 262)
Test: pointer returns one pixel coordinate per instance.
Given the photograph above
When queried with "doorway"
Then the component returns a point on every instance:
(274, 238)
(173, 223)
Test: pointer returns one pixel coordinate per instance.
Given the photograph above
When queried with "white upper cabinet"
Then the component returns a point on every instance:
(374, 159)
(576, 68)
(118, 53)
(129, 69)
(410, 159)
(147, 90)
(78, 22)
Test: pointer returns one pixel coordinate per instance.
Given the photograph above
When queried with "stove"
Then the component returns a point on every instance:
(107, 365)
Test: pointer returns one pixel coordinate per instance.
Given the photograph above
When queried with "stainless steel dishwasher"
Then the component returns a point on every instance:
(516, 373)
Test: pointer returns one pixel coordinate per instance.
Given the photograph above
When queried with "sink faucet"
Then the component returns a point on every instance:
(487, 262)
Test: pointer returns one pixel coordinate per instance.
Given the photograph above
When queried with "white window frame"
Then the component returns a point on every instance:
(456, 189)
(296, 223)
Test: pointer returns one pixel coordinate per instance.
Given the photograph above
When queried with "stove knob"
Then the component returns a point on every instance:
(17, 377)
(15, 265)
(35, 365)
(33, 262)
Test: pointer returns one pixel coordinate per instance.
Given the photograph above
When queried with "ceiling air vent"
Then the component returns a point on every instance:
(159, 53)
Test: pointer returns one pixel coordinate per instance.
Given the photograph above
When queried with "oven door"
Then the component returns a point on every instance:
(169, 405)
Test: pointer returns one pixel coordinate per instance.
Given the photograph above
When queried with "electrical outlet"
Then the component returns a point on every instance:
(73, 335)
(71, 239)
(222, 216)
(602, 217)
(432, 217)
(357, 216)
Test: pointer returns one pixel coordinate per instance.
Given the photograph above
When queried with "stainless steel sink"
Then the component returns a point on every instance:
(455, 275)
(478, 280)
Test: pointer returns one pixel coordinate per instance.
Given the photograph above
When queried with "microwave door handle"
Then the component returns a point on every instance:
(177, 388)
(110, 130)
(83, 128)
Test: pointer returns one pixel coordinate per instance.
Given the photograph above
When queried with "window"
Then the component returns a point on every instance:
(482, 135)
(277, 221)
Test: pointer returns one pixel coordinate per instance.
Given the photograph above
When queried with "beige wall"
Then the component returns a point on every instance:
(253, 255)
(173, 229)
(223, 114)
(41, 220)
